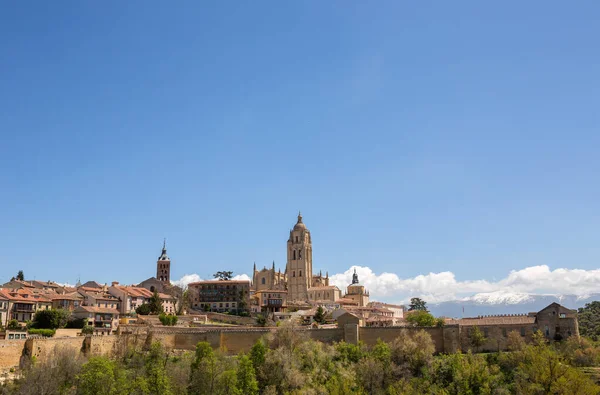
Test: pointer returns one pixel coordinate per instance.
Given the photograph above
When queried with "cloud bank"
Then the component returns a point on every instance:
(192, 278)
(516, 287)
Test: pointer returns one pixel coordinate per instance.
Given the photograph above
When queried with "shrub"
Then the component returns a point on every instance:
(168, 320)
(143, 309)
(421, 318)
(76, 323)
(13, 325)
(51, 319)
(42, 332)
(87, 330)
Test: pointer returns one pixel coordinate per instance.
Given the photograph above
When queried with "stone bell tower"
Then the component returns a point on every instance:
(299, 262)
(163, 266)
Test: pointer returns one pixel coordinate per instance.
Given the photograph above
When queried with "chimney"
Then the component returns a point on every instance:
(115, 283)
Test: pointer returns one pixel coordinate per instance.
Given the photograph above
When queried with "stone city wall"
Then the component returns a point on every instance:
(10, 354)
(445, 339)
(496, 336)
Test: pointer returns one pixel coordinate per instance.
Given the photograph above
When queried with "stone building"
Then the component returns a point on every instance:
(163, 266)
(268, 279)
(556, 322)
(220, 295)
(356, 292)
(302, 286)
(162, 281)
(131, 297)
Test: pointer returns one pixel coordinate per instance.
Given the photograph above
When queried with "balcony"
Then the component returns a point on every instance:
(23, 308)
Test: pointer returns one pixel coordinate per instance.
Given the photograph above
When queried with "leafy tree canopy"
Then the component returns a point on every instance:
(20, 276)
(51, 319)
(320, 315)
(417, 304)
(223, 275)
(155, 304)
(589, 320)
(421, 318)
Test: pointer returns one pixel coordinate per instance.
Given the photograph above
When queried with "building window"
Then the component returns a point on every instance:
(547, 330)
(300, 273)
(486, 332)
(263, 280)
(227, 305)
(296, 239)
(299, 254)
(522, 331)
(504, 332)
(294, 273)
(294, 258)
(563, 315)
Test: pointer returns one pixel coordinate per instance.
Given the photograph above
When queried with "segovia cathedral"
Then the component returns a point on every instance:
(297, 285)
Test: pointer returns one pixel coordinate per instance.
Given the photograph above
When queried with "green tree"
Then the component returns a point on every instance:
(589, 320)
(223, 275)
(143, 309)
(204, 370)
(13, 325)
(246, 376)
(156, 374)
(20, 276)
(155, 304)
(417, 304)
(241, 303)
(258, 354)
(421, 318)
(87, 330)
(51, 319)
(320, 315)
(261, 320)
(476, 338)
(100, 376)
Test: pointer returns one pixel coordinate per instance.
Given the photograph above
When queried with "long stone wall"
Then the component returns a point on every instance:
(445, 339)
(233, 340)
(10, 354)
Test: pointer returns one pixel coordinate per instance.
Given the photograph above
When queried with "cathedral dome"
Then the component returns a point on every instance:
(299, 225)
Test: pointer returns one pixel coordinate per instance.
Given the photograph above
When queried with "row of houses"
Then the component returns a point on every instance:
(100, 305)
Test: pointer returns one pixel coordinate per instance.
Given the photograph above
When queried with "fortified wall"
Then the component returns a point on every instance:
(447, 339)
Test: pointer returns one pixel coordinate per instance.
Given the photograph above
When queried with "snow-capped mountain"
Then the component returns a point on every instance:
(506, 303)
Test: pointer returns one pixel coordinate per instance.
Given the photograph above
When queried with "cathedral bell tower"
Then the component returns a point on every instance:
(163, 266)
(299, 262)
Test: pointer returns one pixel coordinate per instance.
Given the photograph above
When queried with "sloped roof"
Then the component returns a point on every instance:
(67, 296)
(23, 295)
(96, 309)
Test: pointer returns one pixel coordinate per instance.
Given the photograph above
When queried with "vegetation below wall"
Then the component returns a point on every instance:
(287, 362)
(589, 320)
(42, 332)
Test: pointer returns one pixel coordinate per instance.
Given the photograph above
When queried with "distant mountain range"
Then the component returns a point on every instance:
(505, 303)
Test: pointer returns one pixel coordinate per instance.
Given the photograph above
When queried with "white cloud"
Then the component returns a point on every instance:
(516, 287)
(186, 279)
(192, 278)
(440, 287)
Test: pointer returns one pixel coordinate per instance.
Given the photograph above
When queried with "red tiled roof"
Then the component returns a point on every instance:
(23, 295)
(95, 309)
(137, 292)
(68, 296)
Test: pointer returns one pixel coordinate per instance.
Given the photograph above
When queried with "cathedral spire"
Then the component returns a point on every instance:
(355, 277)
(255, 266)
(163, 256)
(299, 217)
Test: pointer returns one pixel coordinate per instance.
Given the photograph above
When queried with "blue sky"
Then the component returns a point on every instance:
(415, 138)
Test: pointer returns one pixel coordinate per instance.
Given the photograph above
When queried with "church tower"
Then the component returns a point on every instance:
(299, 262)
(163, 266)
